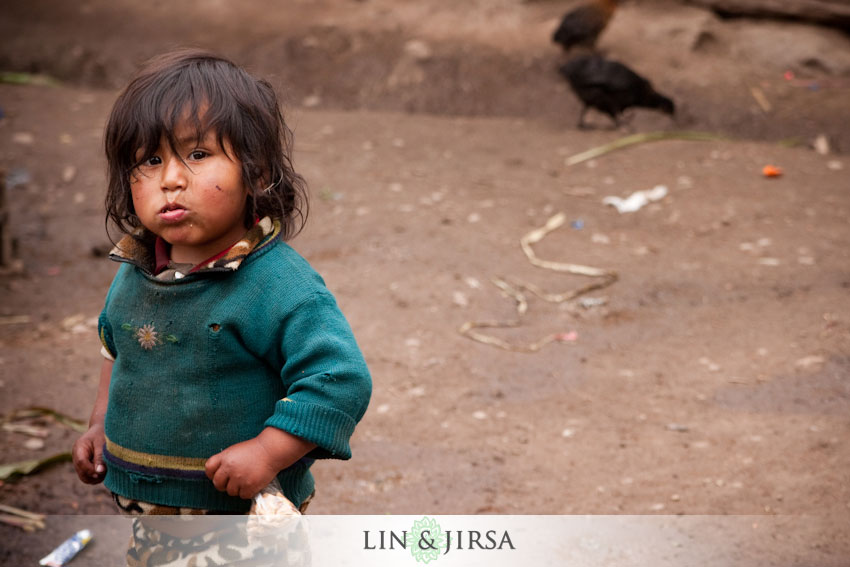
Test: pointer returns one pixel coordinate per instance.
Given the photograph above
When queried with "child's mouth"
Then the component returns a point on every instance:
(172, 213)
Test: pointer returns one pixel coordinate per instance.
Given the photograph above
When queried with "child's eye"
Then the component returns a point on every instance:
(197, 155)
(153, 160)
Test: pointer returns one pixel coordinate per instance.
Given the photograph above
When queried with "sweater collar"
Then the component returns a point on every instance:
(143, 249)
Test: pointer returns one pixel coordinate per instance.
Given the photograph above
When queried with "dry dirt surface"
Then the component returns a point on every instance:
(713, 377)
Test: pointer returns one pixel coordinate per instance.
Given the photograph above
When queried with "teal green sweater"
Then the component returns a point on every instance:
(207, 361)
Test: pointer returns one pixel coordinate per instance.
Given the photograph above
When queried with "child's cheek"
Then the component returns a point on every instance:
(224, 193)
(142, 204)
(215, 193)
(138, 202)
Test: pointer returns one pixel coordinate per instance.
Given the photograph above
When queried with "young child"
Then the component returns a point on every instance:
(227, 361)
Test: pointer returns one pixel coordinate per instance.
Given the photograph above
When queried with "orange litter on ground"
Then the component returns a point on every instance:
(771, 171)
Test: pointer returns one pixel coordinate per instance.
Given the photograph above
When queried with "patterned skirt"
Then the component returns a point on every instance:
(228, 544)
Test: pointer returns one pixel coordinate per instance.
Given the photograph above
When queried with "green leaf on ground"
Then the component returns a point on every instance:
(24, 468)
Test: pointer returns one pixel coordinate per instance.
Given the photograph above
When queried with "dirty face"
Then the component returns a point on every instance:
(191, 195)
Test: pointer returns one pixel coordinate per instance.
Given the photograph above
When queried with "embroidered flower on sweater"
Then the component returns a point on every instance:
(148, 337)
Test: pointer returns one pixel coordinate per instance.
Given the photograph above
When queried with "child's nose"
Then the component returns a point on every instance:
(174, 175)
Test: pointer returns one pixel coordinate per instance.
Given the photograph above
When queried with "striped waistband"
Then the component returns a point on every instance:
(153, 464)
(149, 464)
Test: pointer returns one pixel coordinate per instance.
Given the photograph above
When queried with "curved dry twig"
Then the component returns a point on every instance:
(515, 289)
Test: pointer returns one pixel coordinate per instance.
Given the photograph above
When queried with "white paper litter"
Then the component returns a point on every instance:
(636, 200)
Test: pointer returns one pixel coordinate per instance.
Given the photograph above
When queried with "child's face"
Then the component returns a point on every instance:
(196, 204)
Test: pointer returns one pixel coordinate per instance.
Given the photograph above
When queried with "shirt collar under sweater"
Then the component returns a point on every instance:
(139, 249)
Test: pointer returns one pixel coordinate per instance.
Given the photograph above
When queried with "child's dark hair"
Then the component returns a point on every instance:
(213, 94)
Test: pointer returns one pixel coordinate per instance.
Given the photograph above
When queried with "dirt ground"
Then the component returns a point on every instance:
(712, 378)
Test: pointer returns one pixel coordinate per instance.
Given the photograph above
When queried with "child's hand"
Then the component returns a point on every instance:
(246, 468)
(87, 455)
(242, 470)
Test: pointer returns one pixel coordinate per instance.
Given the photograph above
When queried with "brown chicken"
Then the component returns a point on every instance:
(582, 25)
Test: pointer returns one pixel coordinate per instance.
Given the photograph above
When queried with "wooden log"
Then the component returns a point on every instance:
(834, 13)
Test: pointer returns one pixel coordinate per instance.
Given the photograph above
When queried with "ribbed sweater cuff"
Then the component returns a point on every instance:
(328, 428)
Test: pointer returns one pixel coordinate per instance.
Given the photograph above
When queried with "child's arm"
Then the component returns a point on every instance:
(246, 468)
(87, 453)
(327, 390)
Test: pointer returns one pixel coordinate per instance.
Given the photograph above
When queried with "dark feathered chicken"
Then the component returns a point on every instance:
(582, 26)
(611, 87)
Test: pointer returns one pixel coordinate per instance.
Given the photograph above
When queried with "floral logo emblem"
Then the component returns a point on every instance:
(426, 540)
(148, 336)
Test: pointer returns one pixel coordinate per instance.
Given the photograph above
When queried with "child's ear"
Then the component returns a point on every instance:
(256, 174)
(257, 180)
